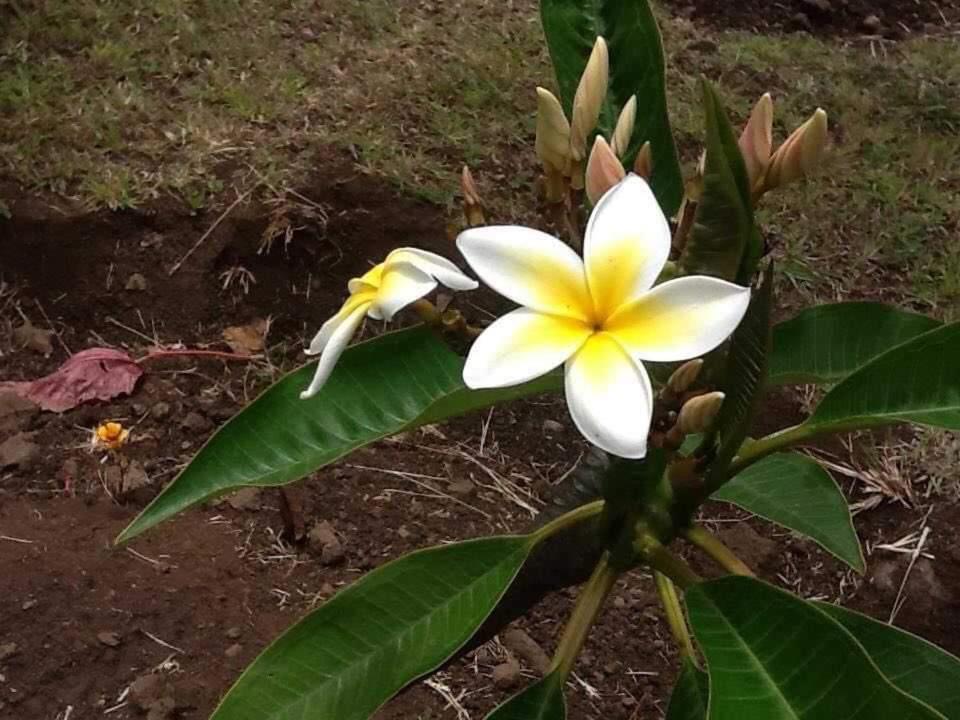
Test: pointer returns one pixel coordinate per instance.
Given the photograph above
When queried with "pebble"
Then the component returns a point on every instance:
(8, 650)
(160, 410)
(233, 650)
(506, 675)
(110, 639)
(29, 604)
(245, 499)
(552, 427)
(136, 282)
(323, 541)
(146, 690)
(234, 633)
(195, 422)
(18, 451)
(461, 486)
(527, 649)
(872, 24)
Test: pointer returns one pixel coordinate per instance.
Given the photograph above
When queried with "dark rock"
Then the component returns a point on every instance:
(110, 639)
(8, 650)
(872, 24)
(195, 422)
(506, 675)
(323, 541)
(160, 410)
(233, 650)
(18, 451)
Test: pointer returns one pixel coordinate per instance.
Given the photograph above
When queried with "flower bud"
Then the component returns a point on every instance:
(553, 133)
(109, 436)
(800, 154)
(604, 170)
(698, 413)
(589, 98)
(685, 376)
(643, 163)
(624, 130)
(756, 142)
(472, 204)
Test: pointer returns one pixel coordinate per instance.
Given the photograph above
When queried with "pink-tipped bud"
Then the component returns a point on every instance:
(553, 133)
(756, 142)
(800, 154)
(624, 130)
(472, 204)
(589, 98)
(604, 170)
(643, 163)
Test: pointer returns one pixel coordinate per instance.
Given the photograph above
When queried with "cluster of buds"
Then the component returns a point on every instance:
(799, 155)
(561, 145)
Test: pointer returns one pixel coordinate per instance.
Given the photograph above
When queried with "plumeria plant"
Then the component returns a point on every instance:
(652, 311)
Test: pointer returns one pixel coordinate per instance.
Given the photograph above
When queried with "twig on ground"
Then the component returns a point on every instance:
(901, 598)
(216, 223)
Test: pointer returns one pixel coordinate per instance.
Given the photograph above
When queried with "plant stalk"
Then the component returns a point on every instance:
(659, 558)
(770, 444)
(720, 553)
(675, 618)
(585, 613)
(567, 519)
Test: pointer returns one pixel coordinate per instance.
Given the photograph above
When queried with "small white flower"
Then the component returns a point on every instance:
(600, 315)
(404, 277)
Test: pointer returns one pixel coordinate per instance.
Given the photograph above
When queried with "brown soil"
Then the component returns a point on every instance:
(190, 604)
(891, 19)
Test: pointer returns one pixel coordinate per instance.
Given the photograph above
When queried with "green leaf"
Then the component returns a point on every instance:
(914, 665)
(826, 343)
(724, 241)
(399, 622)
(541, 701)
(773, 656)
(690, 695)
(917, 381)
(742, 382)
(392, 383)
(636, 68)
(794, 491)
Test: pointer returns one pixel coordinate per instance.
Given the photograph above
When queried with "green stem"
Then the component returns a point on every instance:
(711, 545)
(663, 561)
(566, 520)
(588, 607)
(675, 617)
(772, 443)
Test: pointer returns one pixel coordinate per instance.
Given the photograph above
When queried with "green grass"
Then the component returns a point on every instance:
(117, 103)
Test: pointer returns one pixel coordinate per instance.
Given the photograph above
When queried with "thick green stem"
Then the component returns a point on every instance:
(770, 444)
(588, 607)
(566, 520)
(675, 617)
(712, 546)
(663, 561)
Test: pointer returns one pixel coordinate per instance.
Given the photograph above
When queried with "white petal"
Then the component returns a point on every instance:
(436, 266)
(520, 346)
(401, 285)
(334, 347)
(321, 339)
(680, 319)
(529, 267)
(626, 244)
(610, 397)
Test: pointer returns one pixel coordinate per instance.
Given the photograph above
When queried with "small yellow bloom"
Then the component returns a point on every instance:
(109, 436)
(403, 278)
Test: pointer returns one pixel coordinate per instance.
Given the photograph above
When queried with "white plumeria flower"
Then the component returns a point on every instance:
(600, 315)
(404, 277)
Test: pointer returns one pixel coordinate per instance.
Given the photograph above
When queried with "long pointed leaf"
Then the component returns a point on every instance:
(348, 657)
(794, 491)
(773, 656)
(826, 343)
(636, 68)
(914, 665)
(917, 381)
(380, 387)
(541, 701)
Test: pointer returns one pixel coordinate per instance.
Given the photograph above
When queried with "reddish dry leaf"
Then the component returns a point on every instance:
(94, 374)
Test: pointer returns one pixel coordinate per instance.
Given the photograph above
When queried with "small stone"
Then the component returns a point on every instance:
(234, 633)
(134, 477)
(506, 675)
(872, 24)
(113, 478)
(628, 701)
(461, 486)
(34, 338)
(233, 650)
(160, 410)
(245, 499)
(146, 690)
(136, 282)
(552, 427)
(323, 541)
(403, 533)
(195, 422)
(18, 451)
(327, 589)
(527, 649)
(163, 709)
(801, 20)
(749, 545)
(29, 604)
(8, 650)
(110, 639)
